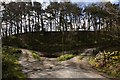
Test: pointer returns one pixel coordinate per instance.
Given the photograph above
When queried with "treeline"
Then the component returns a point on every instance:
(21, 17)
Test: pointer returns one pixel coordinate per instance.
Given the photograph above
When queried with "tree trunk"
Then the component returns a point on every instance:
(42, 24)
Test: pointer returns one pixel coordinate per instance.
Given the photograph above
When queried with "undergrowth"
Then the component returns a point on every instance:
(10, 65)
(108, 62)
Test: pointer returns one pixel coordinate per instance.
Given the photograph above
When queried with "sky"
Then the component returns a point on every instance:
(65, 0)
(80, 0)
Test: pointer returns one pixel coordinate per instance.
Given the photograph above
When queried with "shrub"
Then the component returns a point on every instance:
(65, 57)
(10, 64)
(107, 62)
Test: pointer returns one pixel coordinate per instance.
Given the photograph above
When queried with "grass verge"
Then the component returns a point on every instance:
(65, 57)
(36, 56)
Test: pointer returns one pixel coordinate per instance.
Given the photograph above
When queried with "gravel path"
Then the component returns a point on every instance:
(51, 68)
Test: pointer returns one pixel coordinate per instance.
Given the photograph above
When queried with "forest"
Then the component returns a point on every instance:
(61, 31)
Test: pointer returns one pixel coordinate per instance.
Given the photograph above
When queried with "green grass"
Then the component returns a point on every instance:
(65, 57)
(10, 65)
(36, 56)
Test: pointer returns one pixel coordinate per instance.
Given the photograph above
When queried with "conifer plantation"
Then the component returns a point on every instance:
(51, 40)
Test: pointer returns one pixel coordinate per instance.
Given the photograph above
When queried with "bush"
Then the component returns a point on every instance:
(65, 57)
(108, 62)
(10, 65)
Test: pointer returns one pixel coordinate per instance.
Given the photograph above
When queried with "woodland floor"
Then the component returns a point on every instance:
(52, 68)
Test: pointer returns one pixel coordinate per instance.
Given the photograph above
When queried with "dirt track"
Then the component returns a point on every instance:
(51, 68)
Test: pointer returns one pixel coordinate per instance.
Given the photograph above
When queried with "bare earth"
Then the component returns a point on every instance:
(51, 68)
